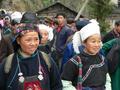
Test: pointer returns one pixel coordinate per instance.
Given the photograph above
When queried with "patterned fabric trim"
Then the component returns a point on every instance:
(81, 79)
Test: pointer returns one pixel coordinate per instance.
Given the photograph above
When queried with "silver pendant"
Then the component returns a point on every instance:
(40, 72)
(40, 77)
(21, 79)
(20, 74)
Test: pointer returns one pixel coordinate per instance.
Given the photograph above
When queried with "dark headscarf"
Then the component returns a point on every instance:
(81, 23)
(24, 28)
(29, 17)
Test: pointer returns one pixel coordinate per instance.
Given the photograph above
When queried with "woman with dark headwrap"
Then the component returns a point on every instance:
(28, 69)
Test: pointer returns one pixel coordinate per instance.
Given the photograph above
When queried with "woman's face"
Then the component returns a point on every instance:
(29, 42)
(44, 35)
(93, 44)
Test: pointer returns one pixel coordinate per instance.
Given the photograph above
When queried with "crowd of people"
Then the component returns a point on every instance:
(58, 54)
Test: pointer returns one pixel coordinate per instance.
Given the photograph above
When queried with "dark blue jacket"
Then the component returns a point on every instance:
(61, 38)
(29, 67)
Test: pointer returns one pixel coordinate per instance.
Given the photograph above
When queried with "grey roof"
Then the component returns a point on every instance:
(58, 2)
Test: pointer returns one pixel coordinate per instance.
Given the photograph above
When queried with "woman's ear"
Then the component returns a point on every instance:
(18, 40)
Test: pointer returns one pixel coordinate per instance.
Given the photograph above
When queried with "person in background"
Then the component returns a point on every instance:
(61, 34)
(86, 70)
(29, 17)
(112, 53)
(49, 22)
(1, 20)
(115, 33)
(15, 22)
(47, 35)
(29, 70)
(7, 25)
(71, 24)
(6, 47)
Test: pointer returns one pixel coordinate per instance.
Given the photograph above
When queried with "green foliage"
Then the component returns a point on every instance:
(1, 1)
(101, 9)
(46, 2)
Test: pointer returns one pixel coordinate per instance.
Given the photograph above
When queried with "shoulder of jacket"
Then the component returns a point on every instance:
(47, 58)
(76, 59)
(8, 63)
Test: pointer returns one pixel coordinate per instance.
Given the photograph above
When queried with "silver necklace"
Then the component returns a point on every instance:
(20, 74)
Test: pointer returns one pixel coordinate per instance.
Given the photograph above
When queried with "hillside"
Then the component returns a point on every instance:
(21, 5)
(35, 5)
